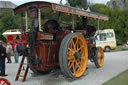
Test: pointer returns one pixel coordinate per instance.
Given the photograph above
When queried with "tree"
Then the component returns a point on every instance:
(75, 3)
(8, 21)
(78, 3)
(117, 21)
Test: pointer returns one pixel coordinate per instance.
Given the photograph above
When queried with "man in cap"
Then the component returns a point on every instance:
(2, 59)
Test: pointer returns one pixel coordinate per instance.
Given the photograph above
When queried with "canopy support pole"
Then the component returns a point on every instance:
(26, 21)
(39, 19)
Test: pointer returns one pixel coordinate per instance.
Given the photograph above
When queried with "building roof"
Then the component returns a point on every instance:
(11, 32)
(7, 4)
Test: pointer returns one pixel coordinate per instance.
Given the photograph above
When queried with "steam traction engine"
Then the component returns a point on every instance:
(52, 43)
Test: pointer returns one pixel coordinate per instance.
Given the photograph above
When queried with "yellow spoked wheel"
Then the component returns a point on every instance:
(73, 55)
(99, 59)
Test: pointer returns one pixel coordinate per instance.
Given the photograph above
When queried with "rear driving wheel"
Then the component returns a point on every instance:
(73, 55)
(99, 58)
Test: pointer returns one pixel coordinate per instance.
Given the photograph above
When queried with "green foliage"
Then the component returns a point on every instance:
(118, 20)
(8, 21)
(75, 3)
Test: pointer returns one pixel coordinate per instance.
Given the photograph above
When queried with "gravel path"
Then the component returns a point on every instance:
(115, 62)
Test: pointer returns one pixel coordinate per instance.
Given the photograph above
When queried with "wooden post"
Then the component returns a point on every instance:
(98, 24)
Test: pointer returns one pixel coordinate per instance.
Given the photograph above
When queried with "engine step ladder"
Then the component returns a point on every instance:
(20, 69)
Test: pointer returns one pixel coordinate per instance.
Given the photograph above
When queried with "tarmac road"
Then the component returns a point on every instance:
(115, 62)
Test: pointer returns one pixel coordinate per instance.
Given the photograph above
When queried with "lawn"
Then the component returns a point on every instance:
(121, 79)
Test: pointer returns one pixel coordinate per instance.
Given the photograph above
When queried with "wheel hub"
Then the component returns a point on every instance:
(101, 57)
(77, 55)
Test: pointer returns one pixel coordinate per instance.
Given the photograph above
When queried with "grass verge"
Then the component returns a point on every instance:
(121, 79)
(119, 48)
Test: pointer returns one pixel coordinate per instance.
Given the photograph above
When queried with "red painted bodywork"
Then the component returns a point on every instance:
(11, 38)
(48, 51)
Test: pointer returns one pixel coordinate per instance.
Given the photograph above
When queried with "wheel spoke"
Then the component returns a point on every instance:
(72, 42)
(99, 61)
(70, 45)
(75, 64)
(78, 64)
(71, 65)
(80, 48)
(73, 68)
(70, 49)
(70, 54)
(99, 56)
(76, 43)
(69, 62)
(76, 46)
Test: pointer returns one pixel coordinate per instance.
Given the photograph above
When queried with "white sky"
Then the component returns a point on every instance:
(18, 2)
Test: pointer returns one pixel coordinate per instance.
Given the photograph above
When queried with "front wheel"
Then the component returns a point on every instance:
(73, 55)
(107, 49)
(99, 57)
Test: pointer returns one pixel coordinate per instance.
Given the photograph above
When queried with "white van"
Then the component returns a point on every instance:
(106, 39)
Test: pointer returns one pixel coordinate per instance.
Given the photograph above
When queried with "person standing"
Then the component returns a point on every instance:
(8, 52)
(2, 59)
(16, 52)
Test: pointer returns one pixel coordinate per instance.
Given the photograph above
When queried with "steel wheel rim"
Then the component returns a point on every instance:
(100, 57)
(77, 65)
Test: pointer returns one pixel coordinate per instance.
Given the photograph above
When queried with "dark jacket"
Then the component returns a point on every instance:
(2, 50)
(17, 49)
